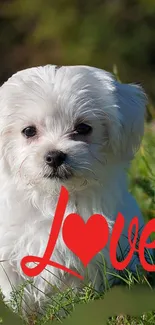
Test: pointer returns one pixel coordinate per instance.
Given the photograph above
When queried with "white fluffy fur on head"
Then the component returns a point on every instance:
(74, 126)
(55, 101)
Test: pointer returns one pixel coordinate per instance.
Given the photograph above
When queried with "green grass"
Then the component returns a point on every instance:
(142, 186)
(142, 174)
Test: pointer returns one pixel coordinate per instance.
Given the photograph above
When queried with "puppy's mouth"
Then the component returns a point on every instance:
(61, 173)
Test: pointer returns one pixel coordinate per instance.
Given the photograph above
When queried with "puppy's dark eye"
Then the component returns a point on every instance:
(30, 131)
(83, 129)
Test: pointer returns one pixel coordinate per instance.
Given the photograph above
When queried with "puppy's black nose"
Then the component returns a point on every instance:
(55, 158)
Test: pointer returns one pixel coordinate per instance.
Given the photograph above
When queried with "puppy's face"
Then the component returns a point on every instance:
(63, 126)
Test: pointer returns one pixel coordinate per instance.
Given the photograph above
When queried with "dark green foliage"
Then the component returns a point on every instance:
(97, 33)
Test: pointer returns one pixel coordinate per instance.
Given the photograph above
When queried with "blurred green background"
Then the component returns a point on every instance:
(116, 35)
(94, 32)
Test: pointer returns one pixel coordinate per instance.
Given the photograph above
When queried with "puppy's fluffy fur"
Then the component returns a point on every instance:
(55, 101)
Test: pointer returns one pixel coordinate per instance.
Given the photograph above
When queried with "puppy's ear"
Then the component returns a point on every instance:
(131, 105)
(124, 113)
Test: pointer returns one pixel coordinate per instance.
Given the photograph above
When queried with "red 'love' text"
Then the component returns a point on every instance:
(96, 226)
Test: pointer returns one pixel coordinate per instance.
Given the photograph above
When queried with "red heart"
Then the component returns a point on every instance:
(85, 239)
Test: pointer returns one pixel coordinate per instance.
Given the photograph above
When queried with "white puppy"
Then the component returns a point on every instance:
(74, 126)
